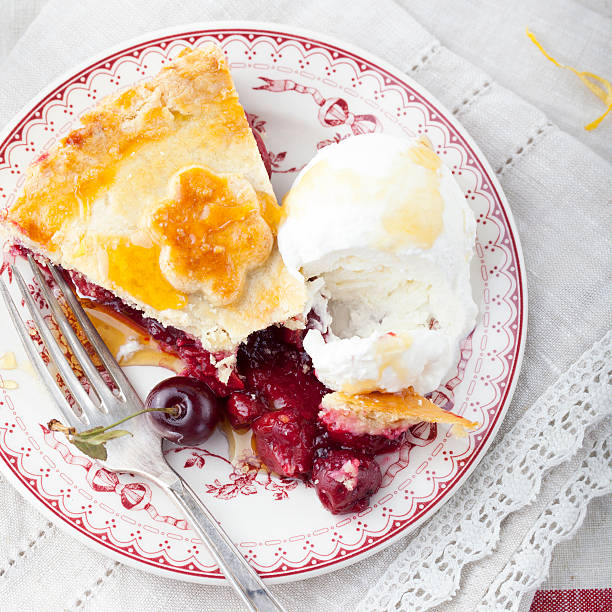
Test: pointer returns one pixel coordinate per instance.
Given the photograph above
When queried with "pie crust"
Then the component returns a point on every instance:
(161, 197)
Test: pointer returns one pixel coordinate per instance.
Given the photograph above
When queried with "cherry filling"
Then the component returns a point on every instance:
(367, 443)
(275, 392)
(280, 373)
(284, 441)
(345, 480)
(242, 408)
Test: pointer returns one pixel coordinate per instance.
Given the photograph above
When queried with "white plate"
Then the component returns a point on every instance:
(302, 91)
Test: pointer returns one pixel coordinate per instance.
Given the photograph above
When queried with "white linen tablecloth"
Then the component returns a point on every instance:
(558, 181)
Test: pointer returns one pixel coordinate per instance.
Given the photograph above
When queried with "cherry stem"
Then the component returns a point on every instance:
(55, 425)
(171, 410)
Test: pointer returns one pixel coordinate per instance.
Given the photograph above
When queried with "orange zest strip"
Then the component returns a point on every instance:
(592, 81)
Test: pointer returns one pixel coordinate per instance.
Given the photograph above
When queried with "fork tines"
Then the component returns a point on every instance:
(92, 409)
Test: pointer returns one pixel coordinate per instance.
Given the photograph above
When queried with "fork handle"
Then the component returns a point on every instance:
(234, 566)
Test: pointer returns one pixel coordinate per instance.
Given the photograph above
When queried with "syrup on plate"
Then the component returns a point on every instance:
(241, 445)
(8, 362)
(129, 344)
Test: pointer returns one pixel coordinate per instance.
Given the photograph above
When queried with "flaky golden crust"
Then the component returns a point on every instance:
(197, 84)
(88, 204)
(376, 413)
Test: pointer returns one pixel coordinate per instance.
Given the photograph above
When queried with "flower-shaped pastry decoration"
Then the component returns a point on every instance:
(211, 232)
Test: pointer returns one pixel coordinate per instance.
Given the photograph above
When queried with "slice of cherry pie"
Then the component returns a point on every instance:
(162, 198)
(161, 210)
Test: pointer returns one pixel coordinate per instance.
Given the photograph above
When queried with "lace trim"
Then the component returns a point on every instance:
(529, 565)
(509, 477)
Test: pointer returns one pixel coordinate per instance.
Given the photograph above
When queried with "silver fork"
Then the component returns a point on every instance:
(141, 454)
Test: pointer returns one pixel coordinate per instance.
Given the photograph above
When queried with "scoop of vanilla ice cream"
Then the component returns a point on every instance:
(383, 235)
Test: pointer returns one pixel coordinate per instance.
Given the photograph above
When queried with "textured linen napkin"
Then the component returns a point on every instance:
(559, 191)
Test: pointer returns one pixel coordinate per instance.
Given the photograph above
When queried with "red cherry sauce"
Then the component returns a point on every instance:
(275, 392)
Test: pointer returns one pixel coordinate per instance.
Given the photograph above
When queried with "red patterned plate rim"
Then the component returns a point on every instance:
(255, 29)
